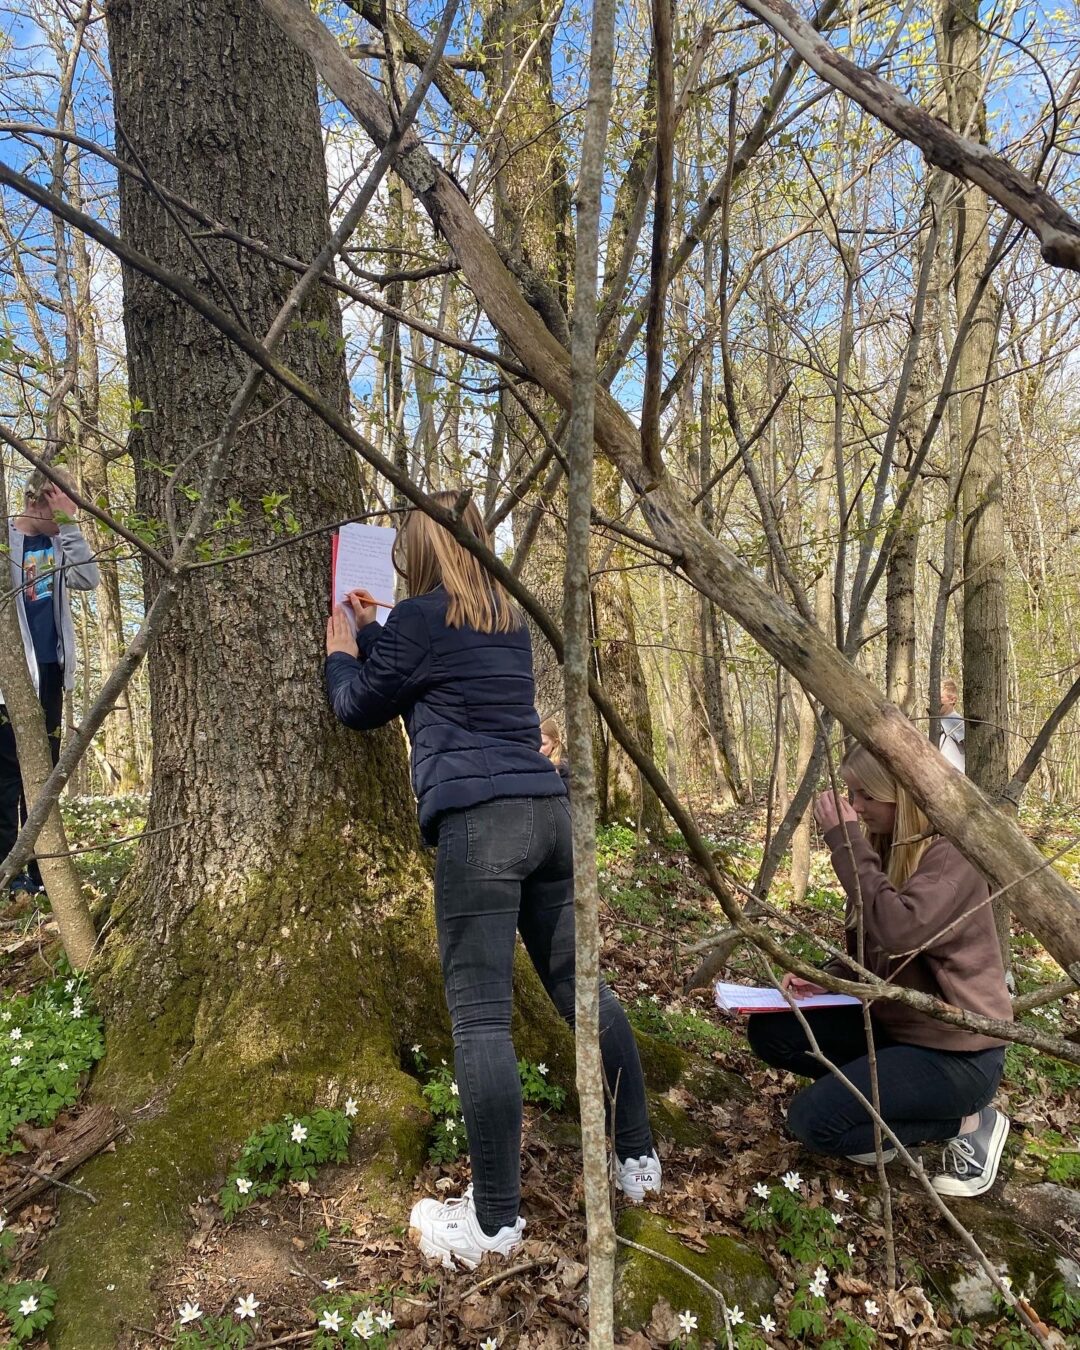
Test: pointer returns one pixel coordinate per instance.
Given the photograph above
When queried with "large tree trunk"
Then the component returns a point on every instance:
(273, 949)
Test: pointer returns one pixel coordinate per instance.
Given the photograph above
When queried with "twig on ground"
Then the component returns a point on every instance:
(53, 1181)
(519, 1269)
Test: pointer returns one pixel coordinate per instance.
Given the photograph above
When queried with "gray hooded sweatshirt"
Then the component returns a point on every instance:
(76, 571)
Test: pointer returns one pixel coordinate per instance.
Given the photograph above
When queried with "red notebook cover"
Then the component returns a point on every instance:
(333, 568)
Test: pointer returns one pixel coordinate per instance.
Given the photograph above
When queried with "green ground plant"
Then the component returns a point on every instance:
(48, 1040)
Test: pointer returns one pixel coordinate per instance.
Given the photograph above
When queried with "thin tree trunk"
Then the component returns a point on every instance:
(901, 679)
(808, 727)
(577, 619)
(671, 743)
(35, 763)
(986, 634)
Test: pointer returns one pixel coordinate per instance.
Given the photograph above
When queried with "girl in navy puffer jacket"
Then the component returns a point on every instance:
(454, 660)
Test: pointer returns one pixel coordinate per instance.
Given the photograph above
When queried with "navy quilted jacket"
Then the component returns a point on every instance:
(467, 699)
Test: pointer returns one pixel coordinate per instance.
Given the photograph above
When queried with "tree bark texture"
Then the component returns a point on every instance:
(985, 628)
(272, 945)
(621, 790)
(901, 677)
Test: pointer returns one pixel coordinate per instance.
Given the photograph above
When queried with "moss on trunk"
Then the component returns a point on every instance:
(252, 1029)
(238, 1040)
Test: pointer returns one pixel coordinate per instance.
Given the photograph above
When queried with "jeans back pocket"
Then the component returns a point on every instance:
(499, 833)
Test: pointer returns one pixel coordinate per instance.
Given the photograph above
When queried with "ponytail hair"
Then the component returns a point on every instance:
(428, 556)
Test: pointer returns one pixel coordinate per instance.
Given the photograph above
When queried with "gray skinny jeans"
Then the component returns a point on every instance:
(507, 866)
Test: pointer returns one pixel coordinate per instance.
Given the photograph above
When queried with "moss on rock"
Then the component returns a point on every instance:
(713, 1084)
(740, 1274)
(662, 1063)
(1033, 1263)
(673, 1123)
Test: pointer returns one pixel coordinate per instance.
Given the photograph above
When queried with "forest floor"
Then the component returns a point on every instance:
(334, 1251)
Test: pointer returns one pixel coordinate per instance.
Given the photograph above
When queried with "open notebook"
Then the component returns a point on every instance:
(751, 998)
(362, 556)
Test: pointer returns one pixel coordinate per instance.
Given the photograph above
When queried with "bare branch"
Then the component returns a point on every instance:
(1057, 232)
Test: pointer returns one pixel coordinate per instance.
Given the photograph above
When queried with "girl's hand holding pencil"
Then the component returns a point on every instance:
(364, 605)
(345, 622)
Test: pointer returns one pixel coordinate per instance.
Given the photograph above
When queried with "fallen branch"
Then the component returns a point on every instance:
(500, 1275)
(92, 1131)
(52, 1179)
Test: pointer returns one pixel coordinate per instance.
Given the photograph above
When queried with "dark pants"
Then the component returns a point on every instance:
(12, 803)
(924, 1093)
(503, 867)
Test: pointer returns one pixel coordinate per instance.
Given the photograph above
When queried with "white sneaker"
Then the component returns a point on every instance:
(451, 1229)
(636, 1176)
(888, 1153)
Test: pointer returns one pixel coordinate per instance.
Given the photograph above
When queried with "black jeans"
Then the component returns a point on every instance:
(12, 804)
(507, 866)
(924, 1093)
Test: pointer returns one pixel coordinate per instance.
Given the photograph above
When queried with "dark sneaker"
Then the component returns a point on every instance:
(22, 882)
(970, 1162)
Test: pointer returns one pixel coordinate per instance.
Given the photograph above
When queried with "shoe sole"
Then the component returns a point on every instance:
(434, 1252)
(870, 1159)
(428, 1249)
(955, 1187)
(637, 1197)
(448, 1256)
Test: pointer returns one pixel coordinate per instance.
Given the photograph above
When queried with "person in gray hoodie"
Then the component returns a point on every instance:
(49, 558)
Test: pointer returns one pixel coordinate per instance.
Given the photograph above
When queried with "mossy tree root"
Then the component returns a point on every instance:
(330, 1009)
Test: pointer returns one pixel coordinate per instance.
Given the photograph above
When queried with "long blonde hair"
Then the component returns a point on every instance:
(899, 857)
(549, 727)
(427, 556)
